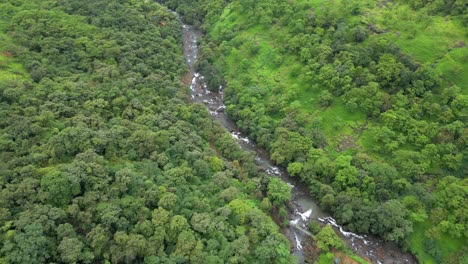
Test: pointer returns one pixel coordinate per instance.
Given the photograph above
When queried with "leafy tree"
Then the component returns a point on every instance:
(70, 250)
(201, 222)
(27, 246)
(278, 191)
(127, 247)
(391, 221)
(59, 188)
(327, 239)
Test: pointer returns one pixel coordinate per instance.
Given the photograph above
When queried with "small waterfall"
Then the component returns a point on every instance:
(306, 215)
(330, 220)
(298, 242)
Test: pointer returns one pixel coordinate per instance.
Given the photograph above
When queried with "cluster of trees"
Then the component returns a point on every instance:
(102, 157)
(418, 150)
(202, 14)
(453, 7)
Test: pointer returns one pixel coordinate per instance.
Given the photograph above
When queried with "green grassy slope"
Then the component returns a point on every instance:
(10, 69)
(431, 40)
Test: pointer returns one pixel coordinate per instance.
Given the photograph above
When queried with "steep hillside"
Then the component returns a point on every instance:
(102, 157)
(365, 101)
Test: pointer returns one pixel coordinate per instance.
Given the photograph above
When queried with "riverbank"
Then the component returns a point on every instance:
(305, 208)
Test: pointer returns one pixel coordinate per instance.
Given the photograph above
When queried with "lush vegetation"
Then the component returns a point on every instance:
(103, 157)
(364, 101)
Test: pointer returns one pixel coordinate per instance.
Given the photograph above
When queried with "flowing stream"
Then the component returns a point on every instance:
(305, 209)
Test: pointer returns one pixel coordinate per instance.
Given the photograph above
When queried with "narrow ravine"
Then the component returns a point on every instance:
(305, 209)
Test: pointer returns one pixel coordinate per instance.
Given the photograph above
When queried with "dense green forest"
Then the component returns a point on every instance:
(103, 157)
(365, 101)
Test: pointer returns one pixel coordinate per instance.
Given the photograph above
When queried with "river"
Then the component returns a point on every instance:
(304, 207)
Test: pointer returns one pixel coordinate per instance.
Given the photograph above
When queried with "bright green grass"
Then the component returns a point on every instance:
(454, 67)
(430, 40)
(445, 243)
(326, 258)
(9, 68)
(338, 120)
(358, 259)
(263, 71)
(417, 244)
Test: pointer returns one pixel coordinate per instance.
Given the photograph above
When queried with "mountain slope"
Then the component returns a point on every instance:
(365, 101)
(104, 159)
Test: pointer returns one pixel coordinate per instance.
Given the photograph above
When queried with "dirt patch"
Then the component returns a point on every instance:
(373, 28)
(6, 54)
(347, 142)
(359, 129)
(350, 141)
(311, 251)
(186, 79)
(384, 3)
(459, 44)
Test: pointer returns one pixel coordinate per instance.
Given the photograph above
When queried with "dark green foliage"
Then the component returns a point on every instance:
(200, 13)
(454, 7)
(327, 239)
(278, 191)
(314, 227)
(103, 159)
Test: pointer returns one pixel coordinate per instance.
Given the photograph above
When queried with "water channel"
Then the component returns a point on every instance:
(305, 208)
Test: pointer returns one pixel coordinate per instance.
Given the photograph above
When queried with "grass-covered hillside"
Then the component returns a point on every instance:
(365, 101)
(102, 157)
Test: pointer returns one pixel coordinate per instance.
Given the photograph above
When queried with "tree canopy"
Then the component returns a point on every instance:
(104, 158)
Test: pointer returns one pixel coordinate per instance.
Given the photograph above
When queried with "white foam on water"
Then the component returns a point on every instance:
(194, 80)
(294, 222)
(306, 215)
(237, 136)
(332, 222)
(298, 242)
(273, 170)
